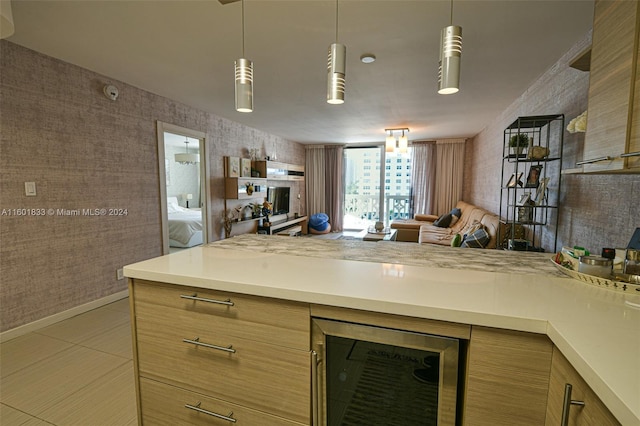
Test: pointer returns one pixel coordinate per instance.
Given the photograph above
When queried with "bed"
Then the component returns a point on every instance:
(185, 226)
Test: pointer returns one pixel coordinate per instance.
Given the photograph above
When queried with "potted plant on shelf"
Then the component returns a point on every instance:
(518, 143)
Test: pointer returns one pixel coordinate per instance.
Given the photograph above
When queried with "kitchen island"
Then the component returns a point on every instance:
(596, 329)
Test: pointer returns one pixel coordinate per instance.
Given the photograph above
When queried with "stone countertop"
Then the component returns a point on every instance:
(597, 330)
(395, 252)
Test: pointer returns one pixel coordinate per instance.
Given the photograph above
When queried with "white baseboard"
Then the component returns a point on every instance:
(47, 321)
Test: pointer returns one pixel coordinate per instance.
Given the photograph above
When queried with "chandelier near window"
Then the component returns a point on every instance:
(402, 143)
(187, 158)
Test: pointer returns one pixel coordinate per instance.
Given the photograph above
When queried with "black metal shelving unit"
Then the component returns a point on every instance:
(529, 213)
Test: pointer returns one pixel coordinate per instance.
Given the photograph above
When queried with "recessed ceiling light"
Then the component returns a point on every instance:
(368, 58)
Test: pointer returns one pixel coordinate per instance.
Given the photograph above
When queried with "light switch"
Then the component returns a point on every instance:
(30, 189)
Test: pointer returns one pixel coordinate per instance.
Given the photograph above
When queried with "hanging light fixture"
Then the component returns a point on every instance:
(401, 145)
(6, 19)
(390, 144)
(450, 53)
(187, 158)
(336, 66)
(244, 78)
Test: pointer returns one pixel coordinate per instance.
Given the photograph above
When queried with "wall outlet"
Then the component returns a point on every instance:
(119, 274)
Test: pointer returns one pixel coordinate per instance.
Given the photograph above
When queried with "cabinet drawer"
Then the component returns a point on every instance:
(255, 318)
(266, 377)
(166, 405)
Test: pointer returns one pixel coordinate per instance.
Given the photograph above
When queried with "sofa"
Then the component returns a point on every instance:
(421, 228)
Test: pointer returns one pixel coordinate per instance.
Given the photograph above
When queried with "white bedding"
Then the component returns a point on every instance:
(185, 226)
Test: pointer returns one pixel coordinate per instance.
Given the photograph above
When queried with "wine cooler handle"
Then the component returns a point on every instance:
(567, 403)
(315, 403)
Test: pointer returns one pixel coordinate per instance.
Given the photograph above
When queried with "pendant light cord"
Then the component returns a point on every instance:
(242, 3)
(451, 13)
(336, 21)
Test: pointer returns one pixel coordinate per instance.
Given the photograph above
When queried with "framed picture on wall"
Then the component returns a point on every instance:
(533, 178)
(232, 166)
(245, 167)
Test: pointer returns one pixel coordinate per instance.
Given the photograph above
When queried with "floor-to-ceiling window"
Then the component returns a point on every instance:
(377, 186)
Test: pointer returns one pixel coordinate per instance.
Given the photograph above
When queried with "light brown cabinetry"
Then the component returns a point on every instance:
(274, 170)
(507, 378)
(612, 134)
(226, 348)
(245, 188)
(589, 410)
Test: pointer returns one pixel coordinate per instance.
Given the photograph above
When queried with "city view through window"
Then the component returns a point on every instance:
(374, 192)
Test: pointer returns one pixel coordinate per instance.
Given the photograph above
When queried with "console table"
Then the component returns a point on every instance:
(281, 223)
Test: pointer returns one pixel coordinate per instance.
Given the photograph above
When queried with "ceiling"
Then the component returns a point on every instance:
(185, 50)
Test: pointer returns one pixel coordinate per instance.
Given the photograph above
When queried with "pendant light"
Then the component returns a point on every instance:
(336, 66)
(244, 78)
(402, 142)
(187, 158)
(390, 144)
(450, 53)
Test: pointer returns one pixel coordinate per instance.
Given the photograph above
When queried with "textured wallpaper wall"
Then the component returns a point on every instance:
(596, 210)
(86, 153)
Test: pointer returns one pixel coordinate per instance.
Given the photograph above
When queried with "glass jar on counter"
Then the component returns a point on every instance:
(632, 262)
(595, 265)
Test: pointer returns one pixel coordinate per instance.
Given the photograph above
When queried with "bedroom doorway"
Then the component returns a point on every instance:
(183, 168)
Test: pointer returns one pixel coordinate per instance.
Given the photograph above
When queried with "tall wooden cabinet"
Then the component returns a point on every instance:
(612, 139)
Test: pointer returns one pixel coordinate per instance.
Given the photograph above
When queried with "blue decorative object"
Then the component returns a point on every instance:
(319, 221)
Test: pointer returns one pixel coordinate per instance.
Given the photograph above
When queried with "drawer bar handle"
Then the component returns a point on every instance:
(567, 403)
(630, 154)
(227, 302)
(593, 160)
(197, 342)
(210, 413)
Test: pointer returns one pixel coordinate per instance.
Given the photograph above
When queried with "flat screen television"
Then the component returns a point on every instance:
(278, 196)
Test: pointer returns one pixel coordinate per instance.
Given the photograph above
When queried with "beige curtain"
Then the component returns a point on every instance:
(315, 179)
(334, 185)
(423, 177)
(449, 175)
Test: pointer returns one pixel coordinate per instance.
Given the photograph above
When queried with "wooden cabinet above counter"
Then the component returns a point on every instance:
(274, 170)
(612, 140)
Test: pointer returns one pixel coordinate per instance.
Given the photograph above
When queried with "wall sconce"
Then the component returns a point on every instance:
(402, 143)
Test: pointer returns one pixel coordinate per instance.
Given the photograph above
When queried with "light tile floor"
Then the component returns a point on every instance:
(75, 372)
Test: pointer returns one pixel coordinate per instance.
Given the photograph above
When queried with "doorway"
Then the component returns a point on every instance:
(184, 189)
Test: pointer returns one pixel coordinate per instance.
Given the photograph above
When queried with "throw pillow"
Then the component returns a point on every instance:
(456, 212)
(479, 239)
(471, 228)
(443, 221)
